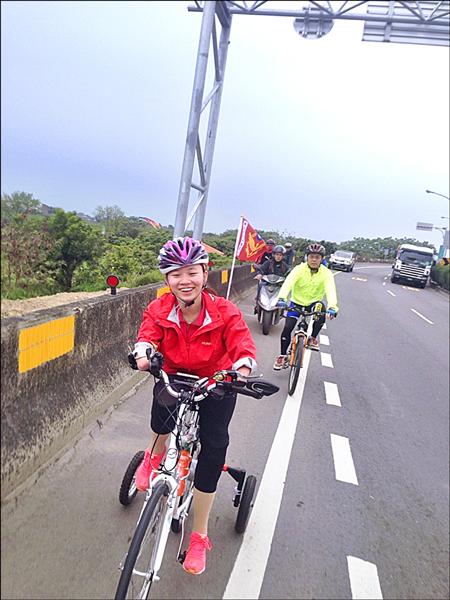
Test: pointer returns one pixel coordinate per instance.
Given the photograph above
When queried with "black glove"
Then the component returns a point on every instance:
(156, 363)
(132, 361)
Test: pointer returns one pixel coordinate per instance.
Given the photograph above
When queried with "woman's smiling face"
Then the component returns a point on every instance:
(187, 282)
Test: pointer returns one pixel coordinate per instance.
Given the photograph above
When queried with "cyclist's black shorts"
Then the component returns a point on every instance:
(215, 415)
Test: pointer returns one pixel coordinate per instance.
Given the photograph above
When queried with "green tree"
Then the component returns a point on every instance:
(114, 223)
(25, 245)
(75, 241)
(17, 204)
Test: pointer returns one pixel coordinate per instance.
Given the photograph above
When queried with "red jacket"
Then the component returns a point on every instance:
(223, 340)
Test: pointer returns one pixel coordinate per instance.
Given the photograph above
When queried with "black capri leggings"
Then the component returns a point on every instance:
(291, 320)
(215, 415)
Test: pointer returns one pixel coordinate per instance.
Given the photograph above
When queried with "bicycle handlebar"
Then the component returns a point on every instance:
(306, 314)
(230, 381)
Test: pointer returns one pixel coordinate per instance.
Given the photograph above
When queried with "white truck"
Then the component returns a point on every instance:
(412, 264)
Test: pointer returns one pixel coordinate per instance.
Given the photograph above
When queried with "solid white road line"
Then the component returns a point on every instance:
(324, 326)
(248, 572)
(416, 312)
(343, 461)
(391, 293)
(324, 339)
(326, 360)
(332, 393)
(364, 580)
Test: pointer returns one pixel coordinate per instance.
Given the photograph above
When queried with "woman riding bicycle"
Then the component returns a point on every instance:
(306, 285)
(197, 333)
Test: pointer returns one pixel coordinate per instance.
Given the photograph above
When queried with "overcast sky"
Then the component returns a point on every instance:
(332, 138)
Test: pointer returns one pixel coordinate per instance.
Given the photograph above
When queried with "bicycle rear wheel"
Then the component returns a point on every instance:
(137, 574)
(246, 503)
(296, 363)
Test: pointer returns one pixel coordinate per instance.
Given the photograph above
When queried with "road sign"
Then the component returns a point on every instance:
(425, 226)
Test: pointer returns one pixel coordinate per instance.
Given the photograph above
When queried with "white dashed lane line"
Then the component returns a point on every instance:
(326, 360)
(391, 293)
(364, 581)
(416, 312)
(343, 461)
(332, 394)
(363, 575)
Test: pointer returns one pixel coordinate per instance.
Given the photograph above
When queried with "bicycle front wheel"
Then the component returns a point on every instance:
(296, 363)
(137, 574)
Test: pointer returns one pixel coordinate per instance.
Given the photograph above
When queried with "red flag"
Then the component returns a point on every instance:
(250, 245)
(151, 222)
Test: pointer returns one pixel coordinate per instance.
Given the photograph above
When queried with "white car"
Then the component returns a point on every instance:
(342, 259)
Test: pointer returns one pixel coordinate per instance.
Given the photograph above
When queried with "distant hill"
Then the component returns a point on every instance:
(47, 211)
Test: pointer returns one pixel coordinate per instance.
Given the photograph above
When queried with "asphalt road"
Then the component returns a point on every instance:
(354, 499)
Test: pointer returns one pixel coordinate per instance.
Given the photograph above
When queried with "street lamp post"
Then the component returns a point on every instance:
(437, 194)
(445, 248)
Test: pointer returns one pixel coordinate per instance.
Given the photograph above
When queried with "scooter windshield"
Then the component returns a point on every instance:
(274, 279)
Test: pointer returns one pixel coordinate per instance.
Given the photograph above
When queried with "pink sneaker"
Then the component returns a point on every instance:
(144, 471)
(195, 561)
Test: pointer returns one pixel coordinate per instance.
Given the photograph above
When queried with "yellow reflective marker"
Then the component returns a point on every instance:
(45, 342)
(162, 290)
(225, 276)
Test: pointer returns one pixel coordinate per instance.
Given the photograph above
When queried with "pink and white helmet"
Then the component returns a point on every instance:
(181, 252)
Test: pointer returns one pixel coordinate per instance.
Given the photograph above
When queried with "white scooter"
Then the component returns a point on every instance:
(267, 310)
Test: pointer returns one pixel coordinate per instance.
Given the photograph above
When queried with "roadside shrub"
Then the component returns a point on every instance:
(153, 276)
(441, 275)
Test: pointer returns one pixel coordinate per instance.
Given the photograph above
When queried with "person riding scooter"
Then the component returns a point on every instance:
(274, 266)
(289, 254)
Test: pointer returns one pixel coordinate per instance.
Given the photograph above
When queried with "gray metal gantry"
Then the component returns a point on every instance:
(412, 22)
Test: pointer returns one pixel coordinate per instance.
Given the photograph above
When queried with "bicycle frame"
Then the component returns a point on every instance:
(300, 328)
(187, 428)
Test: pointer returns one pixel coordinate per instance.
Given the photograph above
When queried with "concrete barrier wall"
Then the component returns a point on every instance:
(64, 366)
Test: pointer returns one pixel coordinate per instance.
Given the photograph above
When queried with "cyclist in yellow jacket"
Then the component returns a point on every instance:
(306, 285)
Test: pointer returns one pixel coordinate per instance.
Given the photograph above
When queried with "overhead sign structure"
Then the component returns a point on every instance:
(421, 21)
(425, 226)
(395, 23)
